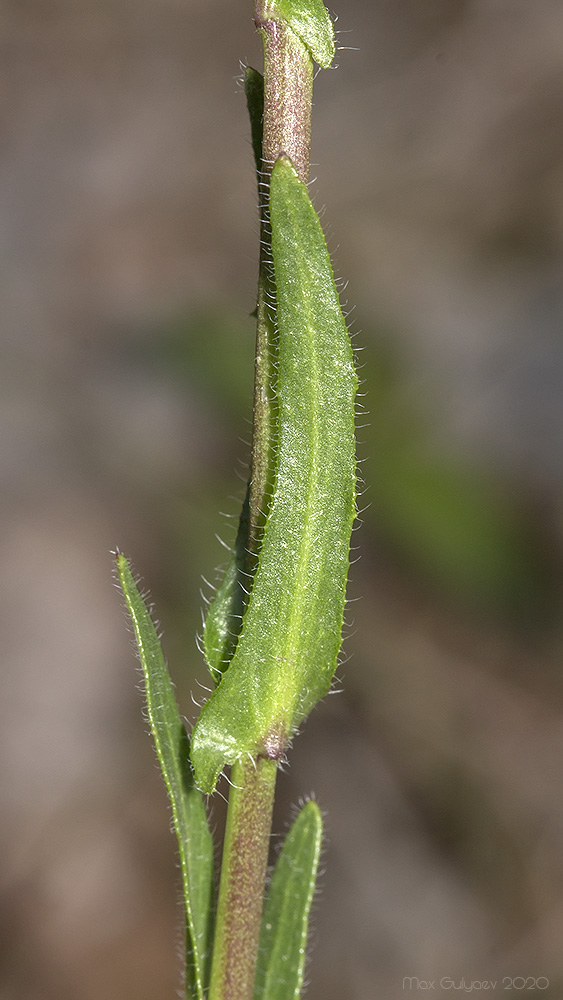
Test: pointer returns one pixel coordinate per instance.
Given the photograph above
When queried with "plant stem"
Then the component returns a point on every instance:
(243, 873)
(288, 94)
(288, 90)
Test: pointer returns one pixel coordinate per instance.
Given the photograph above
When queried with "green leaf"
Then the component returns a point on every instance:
(223, 621)
(188, 809)
(224, 617)
(254, 91)
(310, 20)
(285, 921)
(287, 651)
(264, 428)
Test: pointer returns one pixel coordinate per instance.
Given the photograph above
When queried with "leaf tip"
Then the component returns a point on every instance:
(120, 560)
(207, 762)
(123, 571)
(284, 170)
(311, 20)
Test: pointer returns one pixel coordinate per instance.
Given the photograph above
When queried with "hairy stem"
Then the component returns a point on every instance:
(243, 873)
(287, 101)
(288, 92)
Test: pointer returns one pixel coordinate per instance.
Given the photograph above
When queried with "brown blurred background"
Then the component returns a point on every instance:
(128, 248)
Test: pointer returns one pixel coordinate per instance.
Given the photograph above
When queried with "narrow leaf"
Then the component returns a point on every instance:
(287, 651)
(188, 809)
(264, 428)
(310, 20)
(285, 921)
(254, 91)
(224, 617)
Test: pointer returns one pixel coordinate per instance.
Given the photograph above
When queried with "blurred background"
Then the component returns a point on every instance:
(129, 249)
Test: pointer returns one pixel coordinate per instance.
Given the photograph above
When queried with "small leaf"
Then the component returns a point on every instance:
(285, 921)
(188, 809)
(264, 427)
(310, 20)
(254, 91)
(224, 617)
(287, 651)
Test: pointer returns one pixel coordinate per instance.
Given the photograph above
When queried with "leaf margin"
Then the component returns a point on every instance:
(296, 868)
(244, 714)
(190, 822)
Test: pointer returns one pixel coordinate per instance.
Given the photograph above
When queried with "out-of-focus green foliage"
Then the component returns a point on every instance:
(213, 351)
(450, 520)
